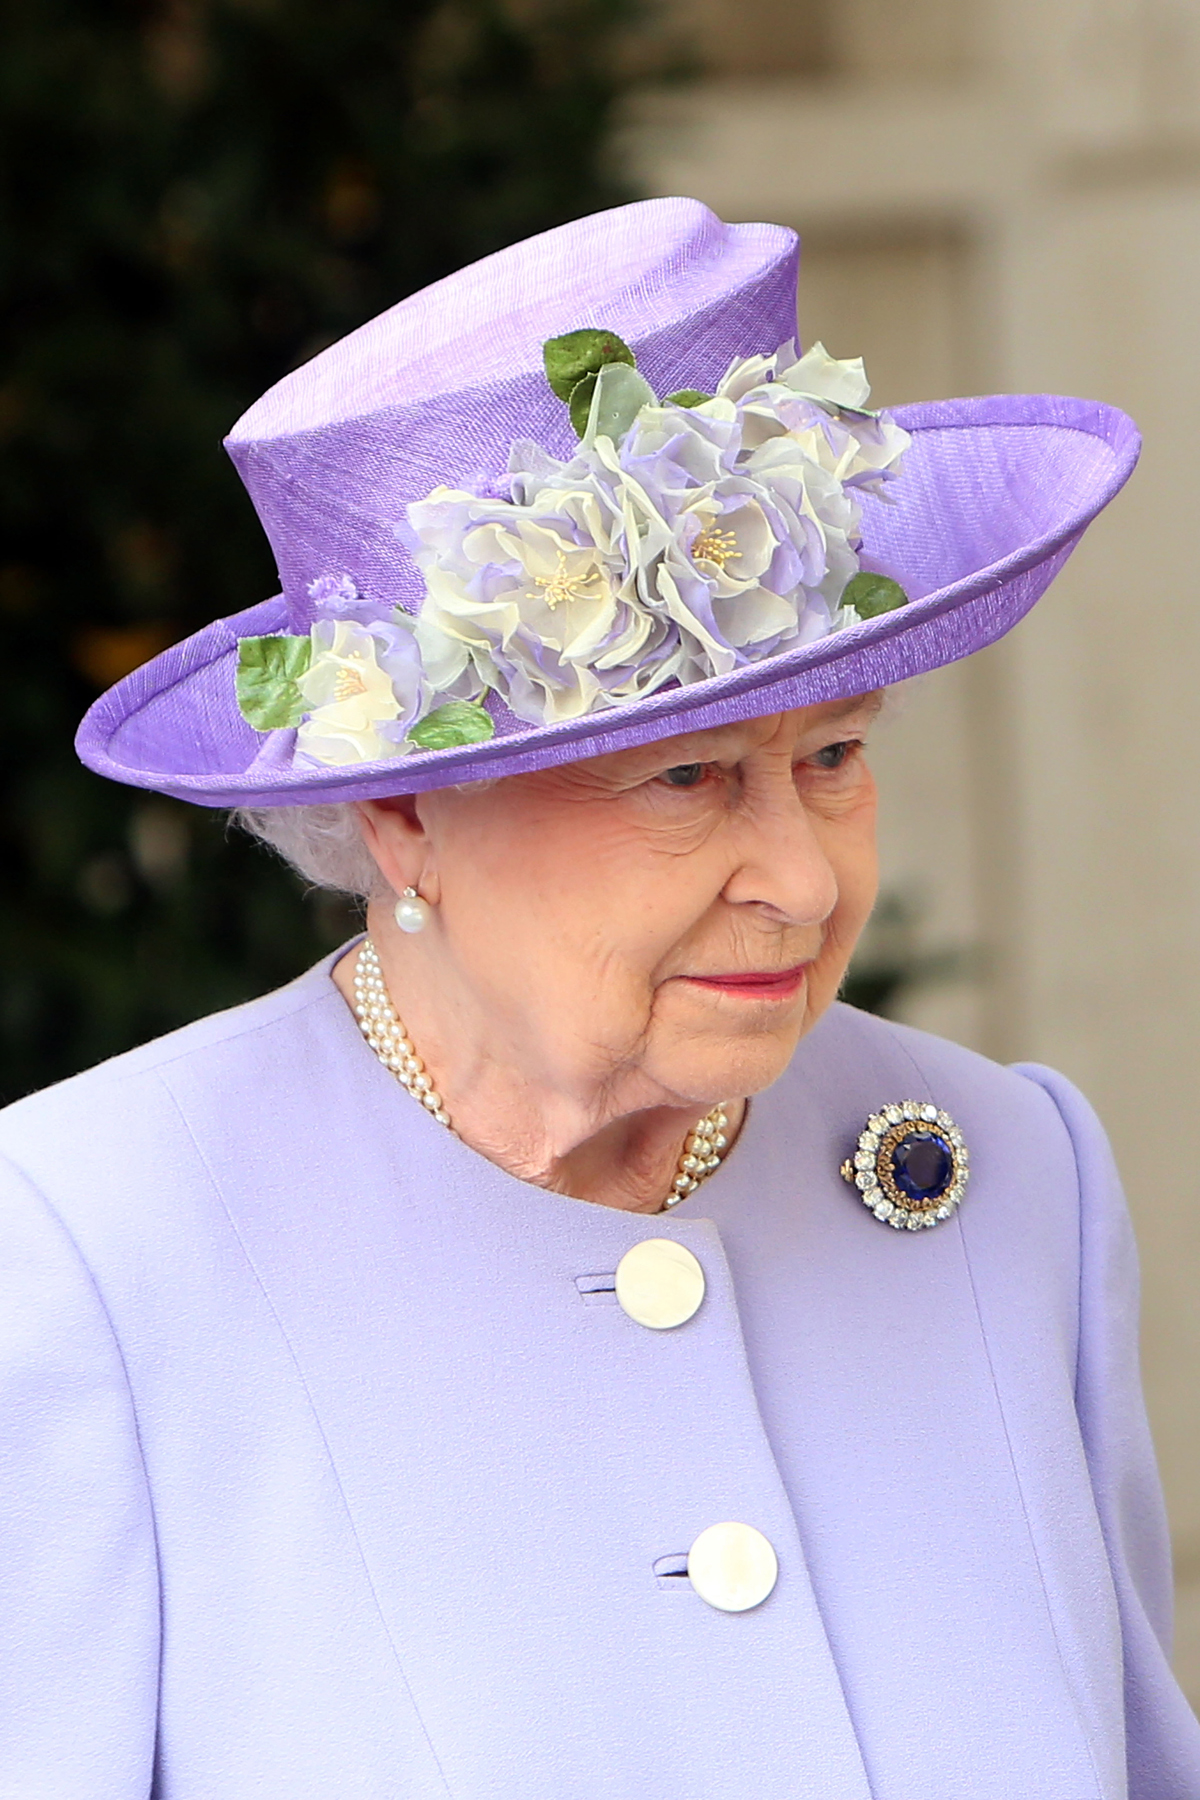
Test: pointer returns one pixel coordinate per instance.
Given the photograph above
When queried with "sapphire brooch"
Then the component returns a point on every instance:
(910, 1166)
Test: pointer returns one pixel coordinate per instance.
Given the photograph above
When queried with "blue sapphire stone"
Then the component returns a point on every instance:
(923, 1165)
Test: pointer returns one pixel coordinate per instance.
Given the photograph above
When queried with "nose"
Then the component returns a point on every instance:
(782, 866)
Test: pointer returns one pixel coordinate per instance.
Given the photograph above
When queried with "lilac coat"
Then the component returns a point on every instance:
(325, 1476)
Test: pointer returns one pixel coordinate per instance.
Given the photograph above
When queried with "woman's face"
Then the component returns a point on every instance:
(662, 923)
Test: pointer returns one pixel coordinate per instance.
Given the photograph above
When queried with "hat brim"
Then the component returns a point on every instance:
(994, 496)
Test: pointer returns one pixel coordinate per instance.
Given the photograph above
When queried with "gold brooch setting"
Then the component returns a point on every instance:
(910, 1166)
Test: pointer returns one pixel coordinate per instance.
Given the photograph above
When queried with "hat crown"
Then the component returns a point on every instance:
(436, 390)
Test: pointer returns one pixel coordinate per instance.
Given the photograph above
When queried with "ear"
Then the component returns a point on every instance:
(395, 835)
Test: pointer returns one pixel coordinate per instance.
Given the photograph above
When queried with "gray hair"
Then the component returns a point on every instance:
(322, 843)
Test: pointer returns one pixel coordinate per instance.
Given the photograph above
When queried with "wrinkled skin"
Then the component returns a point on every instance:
(553, 995)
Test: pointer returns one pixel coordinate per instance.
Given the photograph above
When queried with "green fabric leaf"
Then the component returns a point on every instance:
(687, 397)
(618, 397)
(267, 673)
(457, 722)
(871, 595)
(578, 353)
(580, 403)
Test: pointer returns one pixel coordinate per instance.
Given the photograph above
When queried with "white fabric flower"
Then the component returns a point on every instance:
(353, 699)
(537, 600)
(821, 403)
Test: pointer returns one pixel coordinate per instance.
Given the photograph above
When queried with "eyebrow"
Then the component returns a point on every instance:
(858, 703)
(842, 709)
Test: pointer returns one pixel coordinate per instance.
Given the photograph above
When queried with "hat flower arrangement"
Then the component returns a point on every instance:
(688, 537)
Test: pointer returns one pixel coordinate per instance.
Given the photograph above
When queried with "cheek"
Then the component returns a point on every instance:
(505, 895)
(575, 907)
(858, 883)
(852, 853)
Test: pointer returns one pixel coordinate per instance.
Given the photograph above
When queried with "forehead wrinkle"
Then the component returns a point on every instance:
(732, 741)
(737, 738)
(620, 767)
(836, 710)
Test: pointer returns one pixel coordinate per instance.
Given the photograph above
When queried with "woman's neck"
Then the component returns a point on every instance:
(593, 1148)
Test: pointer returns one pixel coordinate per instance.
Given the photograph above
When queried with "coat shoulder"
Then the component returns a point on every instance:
(1026, 1093)
(227, 1030)
(97, 1140)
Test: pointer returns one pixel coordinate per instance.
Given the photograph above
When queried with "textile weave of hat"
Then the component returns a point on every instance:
(345, 460)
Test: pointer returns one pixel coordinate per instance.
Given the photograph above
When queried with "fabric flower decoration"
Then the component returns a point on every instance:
(688, 537)
(700, 537)
(539, 599)
(821, 403)
(363, 688)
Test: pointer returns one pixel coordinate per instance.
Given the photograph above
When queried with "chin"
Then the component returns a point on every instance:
(729, 1071)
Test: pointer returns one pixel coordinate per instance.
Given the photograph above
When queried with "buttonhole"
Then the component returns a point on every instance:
(671, 1572)
(597, 1290)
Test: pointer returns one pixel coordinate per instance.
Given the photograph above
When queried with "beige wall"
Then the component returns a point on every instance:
(1007, 196)
(861, 40)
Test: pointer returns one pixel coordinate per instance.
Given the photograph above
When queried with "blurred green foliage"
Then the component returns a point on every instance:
(197, 196)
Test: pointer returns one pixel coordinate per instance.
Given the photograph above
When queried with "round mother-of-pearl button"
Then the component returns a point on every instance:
(659, 1283)
(732, 1566)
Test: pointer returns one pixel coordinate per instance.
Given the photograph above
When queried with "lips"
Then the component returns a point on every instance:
(756, 984)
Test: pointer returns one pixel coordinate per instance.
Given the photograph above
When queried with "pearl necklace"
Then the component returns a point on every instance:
(380, 1025)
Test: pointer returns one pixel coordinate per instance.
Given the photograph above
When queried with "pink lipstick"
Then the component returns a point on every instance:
(756, 984)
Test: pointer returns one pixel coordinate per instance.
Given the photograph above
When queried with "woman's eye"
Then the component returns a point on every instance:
(834, 756)
(684, 775)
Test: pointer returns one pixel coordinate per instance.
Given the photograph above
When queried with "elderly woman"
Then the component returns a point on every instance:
(551, 1351)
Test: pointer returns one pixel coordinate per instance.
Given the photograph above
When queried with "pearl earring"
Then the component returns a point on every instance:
(412, 913)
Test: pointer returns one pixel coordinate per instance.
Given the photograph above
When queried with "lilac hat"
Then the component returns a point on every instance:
(586, 494)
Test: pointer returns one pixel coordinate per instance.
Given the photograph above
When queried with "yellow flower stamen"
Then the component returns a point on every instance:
(562, 586)
(715, 546)
(347, 684)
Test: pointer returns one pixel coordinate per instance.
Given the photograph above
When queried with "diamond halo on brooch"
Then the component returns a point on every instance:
(910, 1165)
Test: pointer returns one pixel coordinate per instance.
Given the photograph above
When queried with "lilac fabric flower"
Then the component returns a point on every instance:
(821, 403)
(701, 539)
(338, 597)
(333, 593)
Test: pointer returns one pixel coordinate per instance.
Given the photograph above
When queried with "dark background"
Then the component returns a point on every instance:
(198, 195)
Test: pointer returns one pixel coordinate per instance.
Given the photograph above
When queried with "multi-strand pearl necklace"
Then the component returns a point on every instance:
(387, 1037)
